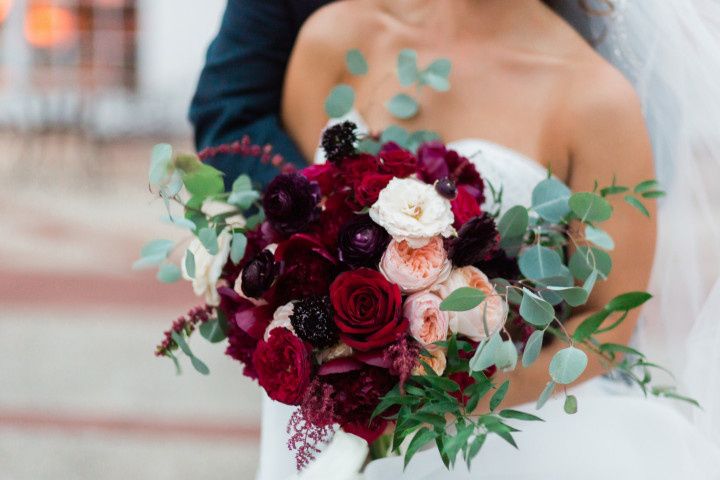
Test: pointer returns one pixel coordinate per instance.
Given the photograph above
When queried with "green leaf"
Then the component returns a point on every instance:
(571, 405)
(340, 101)
(179, 339)
(421, 438)
(540, 262)
(517, 415)
(419, 137)
(237, 248)
(169, 273)
(628, 301)
(573, 296)
(244, 199)
(634, 202)
(599, 237)
(585, 260)
(356, 63)
(533, 347)
(567, 365)
(535, 310)
(550, 200)
(463, 299)
(209, 239)
(157, 247)
(403, 106)
(485, 354)
(242, 184)
(213, 331)
(149, 262)
(204, 182)
(653, 195)
(255, 220)
(160, 161)
(396, 134)
(590, 207)
(506, 356)
(190, 264)
(436, 75)
(545, 395)
(407, 69)
(369, 146)
(617, 348)
(499, 395)
(179, 222)
(647, 186)
(590, 325)
(475, 447)
(199, 366)
(613, 190)
(514, 223)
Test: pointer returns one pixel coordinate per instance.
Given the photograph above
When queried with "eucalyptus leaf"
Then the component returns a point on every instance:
(403, 106)
(199, 366)
(514, 223)
(203, 182)
(179, 222)
(407, 69)
(395, 134)
(463, 299)
(539, 262)
(599, 237)
(571, 405)
(157, 247)
(190, 263)
(550, 200)
(243, 200)
(507, 356)
(238, 247)
(535, 310)
(340, 101)
(436, 75)
(209, 239)
(545, 395)
(485, 354)
(356, 63)
(533, 347)
(573, 296)
(150, 261)
(179, 339)
(169, 273)
(160, 161)
(590, 207)
(242, 184)
(567, 365)
(420, 137)
(585, 260)
(213, 331)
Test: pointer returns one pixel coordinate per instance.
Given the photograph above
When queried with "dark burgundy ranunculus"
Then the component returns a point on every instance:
(259, 274)
(500, 265)
(362, 242)
(322, 173)
(367, 309)
(477, 240)
(464, 207)
(353, 169)
(397, 161)
(431, 162)
(356, 394)
(291, 203)
(436, 162)
(284, 366)
(368, 190)
(306, 268)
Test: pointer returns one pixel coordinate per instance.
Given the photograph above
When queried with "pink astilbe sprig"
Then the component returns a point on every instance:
(246, 148)
(185, 324)
(402, 356)
(311, 425)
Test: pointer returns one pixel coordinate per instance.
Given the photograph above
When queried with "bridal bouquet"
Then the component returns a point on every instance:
(374, 293)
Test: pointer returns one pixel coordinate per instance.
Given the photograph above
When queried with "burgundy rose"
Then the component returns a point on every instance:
(283, 366)
(259, 274)
(477, 240)
(291, 203)
(354, 169)
(367, 309)
(306, 268)
(322, 173)
(431, 162)
(397, 161)
(362, 242)
(337, 211)
(368, 190)
(464, 207)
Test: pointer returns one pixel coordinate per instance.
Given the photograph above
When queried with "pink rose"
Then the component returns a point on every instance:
(415, 269)
(428, 324)
(470, 323)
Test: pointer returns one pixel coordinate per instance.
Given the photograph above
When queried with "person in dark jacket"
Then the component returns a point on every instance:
(240, 88)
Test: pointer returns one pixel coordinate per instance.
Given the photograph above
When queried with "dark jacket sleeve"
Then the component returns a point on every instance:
(240, 88)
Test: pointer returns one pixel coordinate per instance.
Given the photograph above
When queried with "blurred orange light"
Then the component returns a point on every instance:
(48, 26)
(4, 9)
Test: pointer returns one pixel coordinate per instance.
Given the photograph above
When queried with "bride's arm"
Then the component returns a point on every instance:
(607, 137)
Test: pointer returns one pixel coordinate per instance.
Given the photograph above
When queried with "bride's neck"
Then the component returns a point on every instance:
(457, 16)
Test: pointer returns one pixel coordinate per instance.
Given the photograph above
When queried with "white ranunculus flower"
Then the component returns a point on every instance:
(281, 319)
(413, 211)
(208, 268)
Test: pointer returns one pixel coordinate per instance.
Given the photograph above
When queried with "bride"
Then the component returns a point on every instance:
(528, 94)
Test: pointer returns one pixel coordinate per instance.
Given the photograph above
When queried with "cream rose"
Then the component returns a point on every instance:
(438, 362)
(428, 324)
(494, 309)
(281, 319)
(413, 211)
(415, 269)
(208, 268)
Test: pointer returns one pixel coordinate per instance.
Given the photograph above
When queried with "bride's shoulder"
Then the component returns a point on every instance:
(340, 25)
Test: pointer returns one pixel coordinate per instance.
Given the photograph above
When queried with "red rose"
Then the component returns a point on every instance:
(464, 207)
(354, 169)
(336, 212)
(367, 309)
(322, 173)
(368, 190)
(283, 366)
(397, 161)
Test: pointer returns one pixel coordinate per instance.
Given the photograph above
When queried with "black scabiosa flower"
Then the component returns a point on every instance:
(477, 240)
(362, 242)
(312, 320)
(338, 141)
(291, 203)
(259, 274)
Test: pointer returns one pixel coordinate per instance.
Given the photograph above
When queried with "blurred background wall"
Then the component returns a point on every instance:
(86, 88)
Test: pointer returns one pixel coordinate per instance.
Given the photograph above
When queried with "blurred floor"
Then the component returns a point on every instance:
(81, 394)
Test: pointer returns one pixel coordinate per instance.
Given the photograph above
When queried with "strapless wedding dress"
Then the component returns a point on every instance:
(616, 433)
